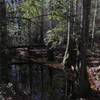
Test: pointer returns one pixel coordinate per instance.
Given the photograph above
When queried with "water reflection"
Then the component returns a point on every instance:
(41, 89)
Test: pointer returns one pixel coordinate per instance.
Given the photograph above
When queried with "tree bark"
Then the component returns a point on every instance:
(66, 55)
(84, 83)
(94, 18)
(3, 42)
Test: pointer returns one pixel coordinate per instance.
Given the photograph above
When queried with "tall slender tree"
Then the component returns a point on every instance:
(3, 42)
(84, 84)
(94, 19)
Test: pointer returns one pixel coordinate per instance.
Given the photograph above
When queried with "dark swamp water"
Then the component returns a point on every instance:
(38, 82)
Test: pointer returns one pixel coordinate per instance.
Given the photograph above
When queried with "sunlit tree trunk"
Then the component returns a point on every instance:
(94, 18)
(66, 55)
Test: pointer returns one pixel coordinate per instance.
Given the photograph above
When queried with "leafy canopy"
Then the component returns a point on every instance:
(31, 8)
(56, 34)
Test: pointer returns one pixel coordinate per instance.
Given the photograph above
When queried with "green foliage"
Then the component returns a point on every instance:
(57, 16)
(58, 10)
(56, 35)
(11, 10)
(30, 8)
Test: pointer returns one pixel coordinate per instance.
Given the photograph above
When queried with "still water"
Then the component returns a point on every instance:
(42, 83)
